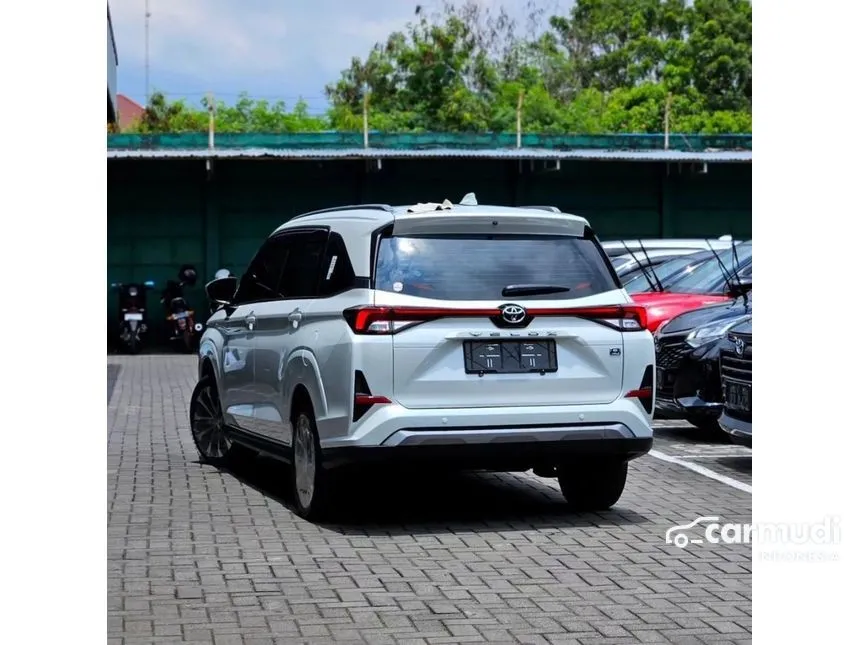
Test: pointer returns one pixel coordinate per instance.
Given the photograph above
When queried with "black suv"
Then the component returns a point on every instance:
(688, 353)
(736, 378)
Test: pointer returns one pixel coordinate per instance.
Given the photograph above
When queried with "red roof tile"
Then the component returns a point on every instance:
(129, 111)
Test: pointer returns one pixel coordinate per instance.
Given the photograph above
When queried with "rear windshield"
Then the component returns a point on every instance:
(667, 272)
(480, 267)
(708, 277)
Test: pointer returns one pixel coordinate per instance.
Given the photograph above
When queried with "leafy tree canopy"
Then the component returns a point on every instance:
(607, 66)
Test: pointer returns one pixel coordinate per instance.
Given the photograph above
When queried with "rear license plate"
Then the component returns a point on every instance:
(179, 315)
(739, 396)
(510, 356)
(133, 316)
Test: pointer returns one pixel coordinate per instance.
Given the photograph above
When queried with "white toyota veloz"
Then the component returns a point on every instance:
(454, 336)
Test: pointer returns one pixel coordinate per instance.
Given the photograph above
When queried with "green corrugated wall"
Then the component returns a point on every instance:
(163, 213)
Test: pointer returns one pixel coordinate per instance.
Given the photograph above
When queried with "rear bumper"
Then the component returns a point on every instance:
(501, 456)
(393, 425)
(739, 430)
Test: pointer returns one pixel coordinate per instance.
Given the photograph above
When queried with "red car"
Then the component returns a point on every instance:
(704, 285)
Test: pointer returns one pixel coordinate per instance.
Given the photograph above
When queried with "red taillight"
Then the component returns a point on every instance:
(390, 320)
(622, 317)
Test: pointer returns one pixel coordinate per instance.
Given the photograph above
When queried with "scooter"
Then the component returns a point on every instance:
(179, 314)
(132, 313)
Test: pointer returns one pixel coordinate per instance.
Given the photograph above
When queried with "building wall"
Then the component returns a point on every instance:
(162, 214)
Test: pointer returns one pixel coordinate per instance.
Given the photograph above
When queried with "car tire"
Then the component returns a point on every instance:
(311, 483)
(592, 486)
(208, 429)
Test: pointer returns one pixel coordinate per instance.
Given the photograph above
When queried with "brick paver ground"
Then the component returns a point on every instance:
(200, 555)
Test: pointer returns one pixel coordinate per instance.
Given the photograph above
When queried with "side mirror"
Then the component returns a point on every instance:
(739, 287)
(220, 291)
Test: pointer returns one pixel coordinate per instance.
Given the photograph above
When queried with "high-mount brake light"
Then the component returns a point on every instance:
(390, 320)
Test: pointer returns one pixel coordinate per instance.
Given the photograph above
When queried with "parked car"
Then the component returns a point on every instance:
(736, 378)
(615, 248)
(442, 335)
(665, 274)
(707, 284)
(688, 355)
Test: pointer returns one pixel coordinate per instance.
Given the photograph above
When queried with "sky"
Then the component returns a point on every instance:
(273, 49)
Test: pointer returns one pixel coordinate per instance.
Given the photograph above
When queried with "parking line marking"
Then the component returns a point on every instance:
(722, 455)
(696, 468)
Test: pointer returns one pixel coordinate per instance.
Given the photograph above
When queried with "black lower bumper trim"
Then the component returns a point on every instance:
(492, 456)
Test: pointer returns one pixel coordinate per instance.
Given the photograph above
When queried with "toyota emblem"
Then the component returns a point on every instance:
(739, 346)
(513, 314)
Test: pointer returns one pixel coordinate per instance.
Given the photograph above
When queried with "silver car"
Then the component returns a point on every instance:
(449, 336)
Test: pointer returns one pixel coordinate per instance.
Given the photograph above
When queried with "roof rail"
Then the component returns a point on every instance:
(351, 207)
(551, 209)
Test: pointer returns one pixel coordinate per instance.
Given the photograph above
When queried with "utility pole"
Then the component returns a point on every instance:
(666, 121)
(210, 100)
(520, 119)
(365, 116)
(210, 104)
(146, 49)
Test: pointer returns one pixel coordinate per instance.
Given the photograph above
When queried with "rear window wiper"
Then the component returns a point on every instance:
(532, 289)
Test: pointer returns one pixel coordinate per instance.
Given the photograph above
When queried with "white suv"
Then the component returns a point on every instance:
(461, 336)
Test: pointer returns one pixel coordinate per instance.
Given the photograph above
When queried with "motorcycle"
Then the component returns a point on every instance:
(179, 314)
(132, 313)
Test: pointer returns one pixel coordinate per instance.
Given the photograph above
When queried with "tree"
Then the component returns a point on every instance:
(246, 115)
(606, 66)
(720, 51)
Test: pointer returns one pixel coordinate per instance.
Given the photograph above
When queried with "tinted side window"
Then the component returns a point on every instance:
(300, 278)
(337, 274)
(260, 281)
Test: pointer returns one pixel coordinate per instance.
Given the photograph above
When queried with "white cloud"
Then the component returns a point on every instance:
(275, 47)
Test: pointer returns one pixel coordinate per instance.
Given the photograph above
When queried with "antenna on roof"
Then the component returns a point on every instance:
(469, 200)
(147, 15)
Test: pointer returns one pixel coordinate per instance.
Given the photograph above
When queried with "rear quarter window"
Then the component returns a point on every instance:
(479, 267)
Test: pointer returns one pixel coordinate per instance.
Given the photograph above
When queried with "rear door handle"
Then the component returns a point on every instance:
(295, 317)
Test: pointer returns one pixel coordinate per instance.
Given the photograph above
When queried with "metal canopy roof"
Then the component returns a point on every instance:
(538, 154)
(728, 148)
